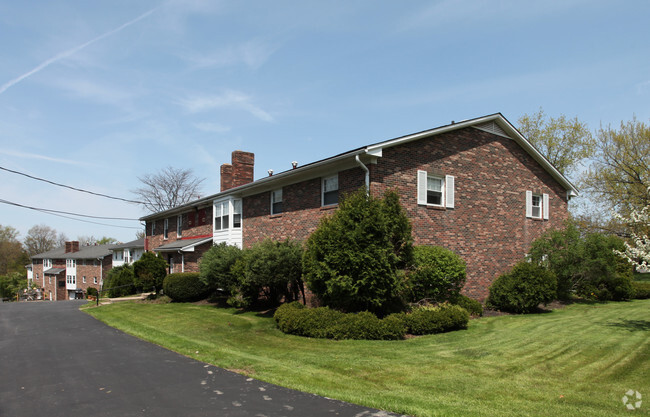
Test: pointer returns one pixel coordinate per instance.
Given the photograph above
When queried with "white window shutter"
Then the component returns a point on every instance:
(529, 204)
(545, 206)
(422, 187)
(449, 191)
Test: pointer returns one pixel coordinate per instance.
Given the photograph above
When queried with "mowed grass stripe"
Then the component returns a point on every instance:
(571, 362)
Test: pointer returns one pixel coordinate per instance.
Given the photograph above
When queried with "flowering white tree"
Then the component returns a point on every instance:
(639, 253)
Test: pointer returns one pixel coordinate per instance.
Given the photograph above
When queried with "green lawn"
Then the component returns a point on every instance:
(578, 361)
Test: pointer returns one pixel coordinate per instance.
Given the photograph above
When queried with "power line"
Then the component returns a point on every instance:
(65, 212)
(69, 187)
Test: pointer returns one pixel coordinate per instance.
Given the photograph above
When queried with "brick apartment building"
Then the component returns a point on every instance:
(477, 187)
(67, 272)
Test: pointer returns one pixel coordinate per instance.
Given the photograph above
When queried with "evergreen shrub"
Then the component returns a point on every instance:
(641, 290)
(215, 267)
(437, 274)
(523, 289)
(436, 319)
(120, 281)
(184, 287)
(473, 307)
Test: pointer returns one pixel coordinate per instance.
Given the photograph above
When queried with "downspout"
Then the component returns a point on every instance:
(182, 261)
(367, 171)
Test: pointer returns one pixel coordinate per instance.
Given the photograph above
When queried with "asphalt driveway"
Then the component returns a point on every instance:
(58, 361)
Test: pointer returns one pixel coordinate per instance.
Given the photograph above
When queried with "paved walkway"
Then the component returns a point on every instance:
(58, 361)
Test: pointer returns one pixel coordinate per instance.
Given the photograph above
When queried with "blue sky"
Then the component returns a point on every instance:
(95, 94)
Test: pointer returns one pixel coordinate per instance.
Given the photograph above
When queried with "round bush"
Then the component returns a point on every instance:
(184, 287)
(439, 319)
(523, 289)
(438, 274)
(120, 281)
(91, 291)
(641, 290)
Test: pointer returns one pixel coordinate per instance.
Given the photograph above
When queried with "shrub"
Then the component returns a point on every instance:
(583, 264)
(522, 290)
(91, 291)
(438, 319)
(119, 281)
(472, 306)
(150, 271)
(270, 269)
(323, 322)
(437, 274)
(352, 261)
(184, 287)
(215, 267)
(641, 290)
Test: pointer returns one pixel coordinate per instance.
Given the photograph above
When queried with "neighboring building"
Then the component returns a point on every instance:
(127, 253)
(477, 187)
(67, 272)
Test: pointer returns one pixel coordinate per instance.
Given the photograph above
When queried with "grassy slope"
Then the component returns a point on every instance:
(572, 362)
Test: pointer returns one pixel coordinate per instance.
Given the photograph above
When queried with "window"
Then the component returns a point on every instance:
(95, 262)
(165, 228)
(537, 205)
(436, 190)
(276, 201)
(47, 263)
(71, 279)
(236, 214)
(221, 219)
(179, 225)
(36, 276)
(70, 263)
(84, 279)
(330, 190)
(94, 280)
(153, 227)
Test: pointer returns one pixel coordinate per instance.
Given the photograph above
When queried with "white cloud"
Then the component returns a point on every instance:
(253, 54)
(230, 99)
(96, 92)
(27, 155)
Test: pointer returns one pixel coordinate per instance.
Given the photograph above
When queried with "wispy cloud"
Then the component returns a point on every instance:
(253, 54)
(230, 99)
(18, 154)
(211, 127)
(96, 92)
(71, 51)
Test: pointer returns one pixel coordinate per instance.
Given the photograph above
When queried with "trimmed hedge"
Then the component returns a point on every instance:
(325, 323)
(435, 319)
(522, 290)
(641, 290)
(473, 307)
(184, 287)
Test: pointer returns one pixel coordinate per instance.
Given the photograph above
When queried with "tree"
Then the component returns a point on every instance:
(42, 238)
(620, 173)
(120, 281)
(352, 261)
(564, 142)
(216, 264)
(168, 188)
(11, 283)
(12, 256)
(150, 271)
(638, 252)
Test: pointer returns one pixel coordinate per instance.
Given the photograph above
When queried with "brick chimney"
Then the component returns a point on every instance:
(72, 246)
(240, 172)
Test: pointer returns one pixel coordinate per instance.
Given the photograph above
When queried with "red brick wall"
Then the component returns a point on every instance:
(301, 203)
(487, 227)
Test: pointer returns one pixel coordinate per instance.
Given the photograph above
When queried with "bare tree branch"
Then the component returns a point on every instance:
(168, 188)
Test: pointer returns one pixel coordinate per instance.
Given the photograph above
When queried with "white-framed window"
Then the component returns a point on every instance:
(436, 190)
(276, 201)
(330, 190)
(71, 279)
(47, 263)
(71, 263)
(537, 205)
(37, 276)
(222, 215)
(153, 227)
(95, 262)
(179, 225)
(84, 279)
(165, 228)
(117, 255)
(94, 280)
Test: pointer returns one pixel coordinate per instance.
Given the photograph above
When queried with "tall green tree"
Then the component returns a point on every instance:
(564, 142)
(353, 260)
(620, 173)
(12, 255)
